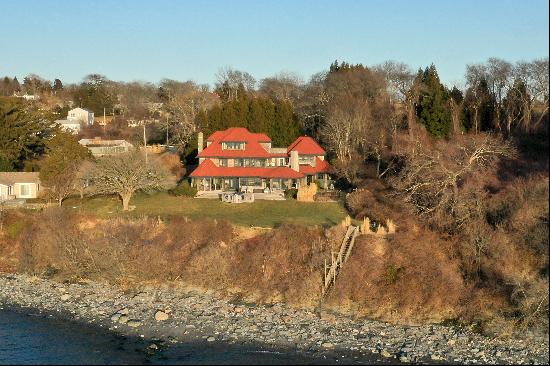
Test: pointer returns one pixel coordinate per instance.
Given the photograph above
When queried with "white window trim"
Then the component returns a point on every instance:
(30, 190)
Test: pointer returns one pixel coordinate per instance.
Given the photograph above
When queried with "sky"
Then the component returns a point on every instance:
(129, 40)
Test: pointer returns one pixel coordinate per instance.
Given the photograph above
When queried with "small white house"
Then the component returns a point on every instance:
(99, 147)
(71, 126)
(19, 185)
(81, 114)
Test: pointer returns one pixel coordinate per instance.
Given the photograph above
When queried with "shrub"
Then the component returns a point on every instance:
(14, 229)
(392, 274)
(291, 193)
(183, 189)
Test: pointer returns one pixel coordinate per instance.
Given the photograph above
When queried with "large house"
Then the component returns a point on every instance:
(237, 159)
(76, 118)
(19, 185)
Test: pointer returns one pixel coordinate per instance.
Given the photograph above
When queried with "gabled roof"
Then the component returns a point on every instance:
(321, 166)
(253, 148)
(209, 169)
(305, 145)
(9, 178)
(238, 134)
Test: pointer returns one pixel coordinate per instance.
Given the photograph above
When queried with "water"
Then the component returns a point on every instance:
(35, 339)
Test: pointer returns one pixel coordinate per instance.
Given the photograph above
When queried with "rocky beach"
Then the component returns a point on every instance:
(167, 315)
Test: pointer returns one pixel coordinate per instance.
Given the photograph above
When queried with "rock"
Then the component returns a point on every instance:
(211, 339)
(436, 357)
(153, 347)
(404, 359)
(123, 319)
(115, 317)
(327, 345)
(161, 316)
(124, 311)
(385, 353)
(65, 297)
(133, 323)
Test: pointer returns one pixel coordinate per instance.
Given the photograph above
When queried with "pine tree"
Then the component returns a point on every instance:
(433, 109)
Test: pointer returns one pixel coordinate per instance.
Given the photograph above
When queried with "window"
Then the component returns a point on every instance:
(239, 162)
(233, 145)
(25, 190)
(282, 162)
(305, 159)
(223, 162)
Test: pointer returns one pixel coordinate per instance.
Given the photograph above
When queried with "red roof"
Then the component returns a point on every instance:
(209, 169)
(305, 145)
(238, 134)
(253, 148)
(321, 166)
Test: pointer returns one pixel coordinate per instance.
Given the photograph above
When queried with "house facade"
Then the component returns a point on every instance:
(19, 185)
(76, 118)
(82, 115)
(237, 159)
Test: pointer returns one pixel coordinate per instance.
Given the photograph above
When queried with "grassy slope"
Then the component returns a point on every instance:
(259, 213)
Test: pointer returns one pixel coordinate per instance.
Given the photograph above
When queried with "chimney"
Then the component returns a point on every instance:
(200, 142)
(294, 164)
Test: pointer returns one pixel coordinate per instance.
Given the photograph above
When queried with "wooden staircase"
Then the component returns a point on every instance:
(332, 271)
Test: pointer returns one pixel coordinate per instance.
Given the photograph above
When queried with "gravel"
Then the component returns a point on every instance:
(181, 315)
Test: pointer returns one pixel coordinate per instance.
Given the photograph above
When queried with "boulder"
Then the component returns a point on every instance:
(161, 316)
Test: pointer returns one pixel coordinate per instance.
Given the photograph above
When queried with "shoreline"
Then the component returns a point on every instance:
(165, 316)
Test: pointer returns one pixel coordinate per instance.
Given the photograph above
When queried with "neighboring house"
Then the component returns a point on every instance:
(237, 159)
(27, 96)
(81, 114)
(69, 125)
(19, 185)
(76, 118)
(99, 147)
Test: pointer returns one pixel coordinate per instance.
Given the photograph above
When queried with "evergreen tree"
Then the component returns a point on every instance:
(433, 109)
(59, 169)
(16, 85)
(24, 129)
(57, 85)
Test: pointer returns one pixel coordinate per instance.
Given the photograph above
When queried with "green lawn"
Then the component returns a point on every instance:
(259, 213)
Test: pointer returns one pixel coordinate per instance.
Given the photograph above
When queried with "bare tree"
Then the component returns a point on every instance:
(435, 180)
(126, 173)
(231, 79)
(346, 122)
(403, 88)
(534, 75)
(284, 86)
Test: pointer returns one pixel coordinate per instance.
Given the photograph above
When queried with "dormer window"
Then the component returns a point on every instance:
(233, 145)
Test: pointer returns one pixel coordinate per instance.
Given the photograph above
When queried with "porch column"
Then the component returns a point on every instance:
(325, 181)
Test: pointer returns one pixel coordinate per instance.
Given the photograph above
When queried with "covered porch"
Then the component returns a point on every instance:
(245, 184)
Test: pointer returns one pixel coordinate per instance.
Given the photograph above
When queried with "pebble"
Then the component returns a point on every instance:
(195, 314)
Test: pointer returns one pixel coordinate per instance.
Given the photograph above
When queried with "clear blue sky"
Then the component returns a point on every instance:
(190, 40)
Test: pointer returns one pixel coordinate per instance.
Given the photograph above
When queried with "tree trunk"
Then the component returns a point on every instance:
(410, 119)
(59, 201)
(125, 200)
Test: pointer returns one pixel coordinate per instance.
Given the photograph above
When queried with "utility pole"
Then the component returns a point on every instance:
(167, 131)
(104, 124)
(145, 144)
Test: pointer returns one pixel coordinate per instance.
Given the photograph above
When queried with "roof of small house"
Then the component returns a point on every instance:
(10, 178)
